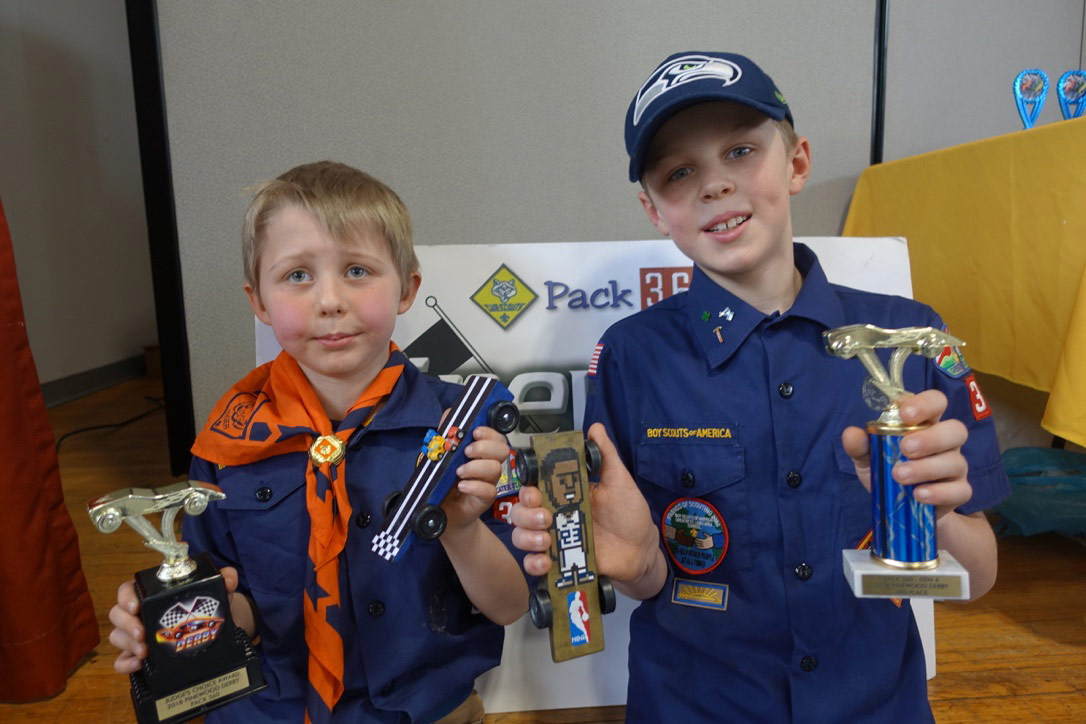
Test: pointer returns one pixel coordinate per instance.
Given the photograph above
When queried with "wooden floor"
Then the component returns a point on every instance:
(1017, 655)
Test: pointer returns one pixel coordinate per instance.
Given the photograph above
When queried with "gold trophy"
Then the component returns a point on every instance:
(903, 561)
(197, 659)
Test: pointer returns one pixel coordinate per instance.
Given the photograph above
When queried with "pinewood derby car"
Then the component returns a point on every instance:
(559, 463)
(416, 510)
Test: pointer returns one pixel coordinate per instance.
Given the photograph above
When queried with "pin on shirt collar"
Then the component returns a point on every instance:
(727, 313)
(719, 336)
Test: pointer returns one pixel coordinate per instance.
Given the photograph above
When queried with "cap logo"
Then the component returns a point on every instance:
(682, 70)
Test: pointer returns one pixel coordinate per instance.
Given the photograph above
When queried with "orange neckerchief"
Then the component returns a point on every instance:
(273, 411)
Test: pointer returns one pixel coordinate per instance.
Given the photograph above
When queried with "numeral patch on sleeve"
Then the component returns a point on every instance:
(981, 409)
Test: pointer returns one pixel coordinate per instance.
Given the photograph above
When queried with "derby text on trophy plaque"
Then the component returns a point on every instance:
(197, 659)
(903, 561)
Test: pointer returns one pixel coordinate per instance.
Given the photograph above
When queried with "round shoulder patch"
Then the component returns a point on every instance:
(695, 535)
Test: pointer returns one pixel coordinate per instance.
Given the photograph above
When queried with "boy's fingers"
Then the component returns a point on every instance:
(612, 469)
(488, 449)
(530, 518)
(529, 498)
(854, 440)
(122, 639)
(947, 495)
(944, 466)
(533, 541)
(478, 488)
(125, 621)
(537, 564)
(487, 433)
(127, 598)
(927, 406)
(230, 578)
(948, 435)
(485, 469)
(126, 663)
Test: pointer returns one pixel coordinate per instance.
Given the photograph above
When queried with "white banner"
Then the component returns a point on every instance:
(531, 314)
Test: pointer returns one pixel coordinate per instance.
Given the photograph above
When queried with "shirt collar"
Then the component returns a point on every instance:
(722, 321)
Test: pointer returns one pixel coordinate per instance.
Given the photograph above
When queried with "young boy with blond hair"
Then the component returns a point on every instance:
(342, 634)
(759, 623)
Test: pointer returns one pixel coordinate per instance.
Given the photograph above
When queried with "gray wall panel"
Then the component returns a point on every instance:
(951, 67)
(496, 121)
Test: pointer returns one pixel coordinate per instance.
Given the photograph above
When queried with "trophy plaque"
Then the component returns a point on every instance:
(197, 659)
(903, 561)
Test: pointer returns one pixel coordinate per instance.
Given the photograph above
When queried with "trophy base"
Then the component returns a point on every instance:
(197, 658)
(870, 578)
(201, 698)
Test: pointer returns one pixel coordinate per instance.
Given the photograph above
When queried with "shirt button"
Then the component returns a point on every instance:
(264, 494)
(362, 519)
(803, 571)
(785, 390)
(687, 479)
(808, 663)
(793, 479)
(376, 608)
(386, 689)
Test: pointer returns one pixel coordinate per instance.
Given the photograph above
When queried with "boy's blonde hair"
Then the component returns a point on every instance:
(788, 133)
(345, 202)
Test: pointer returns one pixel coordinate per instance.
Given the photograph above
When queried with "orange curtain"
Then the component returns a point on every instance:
(46, 620)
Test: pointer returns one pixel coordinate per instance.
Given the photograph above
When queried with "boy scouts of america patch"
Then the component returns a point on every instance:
(695, 534)
(951, 362)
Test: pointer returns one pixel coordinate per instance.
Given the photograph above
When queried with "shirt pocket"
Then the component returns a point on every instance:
(269, 523)
(712, 472)
(854, 502)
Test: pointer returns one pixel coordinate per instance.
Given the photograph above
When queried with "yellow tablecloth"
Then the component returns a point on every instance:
(997, 243)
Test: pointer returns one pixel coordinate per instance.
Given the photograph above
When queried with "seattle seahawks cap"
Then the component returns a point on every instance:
(692, 77)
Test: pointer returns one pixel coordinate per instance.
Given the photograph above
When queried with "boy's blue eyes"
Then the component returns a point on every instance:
(300, 275)
(683, 172)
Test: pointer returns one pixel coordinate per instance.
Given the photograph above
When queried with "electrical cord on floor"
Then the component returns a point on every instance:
(159, 404)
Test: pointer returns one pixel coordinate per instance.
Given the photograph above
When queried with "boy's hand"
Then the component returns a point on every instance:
(128, 634)
(478, 478)
(936, 464)
(627, 544)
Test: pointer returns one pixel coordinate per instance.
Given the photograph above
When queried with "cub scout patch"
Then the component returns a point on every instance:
(951, 362)
(695, 534)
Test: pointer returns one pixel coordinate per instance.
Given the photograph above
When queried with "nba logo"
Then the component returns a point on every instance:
(578, 618)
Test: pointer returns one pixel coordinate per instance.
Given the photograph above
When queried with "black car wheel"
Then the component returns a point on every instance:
(503, 416)
(392, 501)
(430, 522)
(527, 467)
(539, 608)
(592, 457)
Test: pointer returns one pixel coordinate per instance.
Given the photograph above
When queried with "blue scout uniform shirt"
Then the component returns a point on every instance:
(731, 422)
(412, 646)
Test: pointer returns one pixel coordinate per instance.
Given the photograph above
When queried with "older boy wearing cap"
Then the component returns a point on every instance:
(728, 412)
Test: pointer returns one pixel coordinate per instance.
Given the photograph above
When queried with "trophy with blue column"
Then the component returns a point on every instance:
(903, 561)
